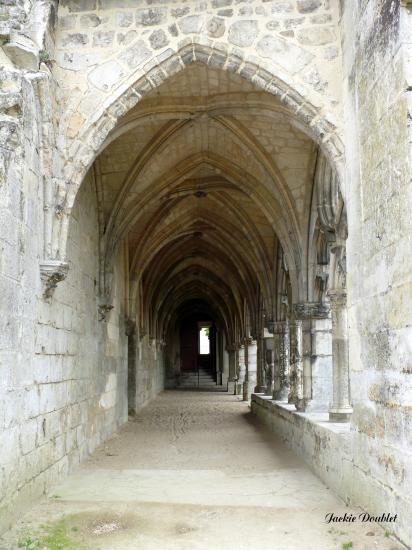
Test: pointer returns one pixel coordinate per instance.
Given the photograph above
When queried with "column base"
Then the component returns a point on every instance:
(281, 395)
(260, 389)
(300, 405)
(340, 415)
(231, 387)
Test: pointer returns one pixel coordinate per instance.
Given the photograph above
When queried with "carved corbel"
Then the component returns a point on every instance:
(51, 273)
(104, 309)
(311, 310)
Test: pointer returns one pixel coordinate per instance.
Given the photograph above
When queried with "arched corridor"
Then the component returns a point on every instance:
(218, 203)
(196, 470)
(205, 270)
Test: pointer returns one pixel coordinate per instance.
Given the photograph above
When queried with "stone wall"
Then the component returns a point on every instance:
(324, 446)
(376, 45)
(150, 371)
(63, 373)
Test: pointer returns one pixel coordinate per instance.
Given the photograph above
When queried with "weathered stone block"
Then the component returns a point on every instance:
(150, 16)
(107, 75)
(287, 55)
(136, 55)
(75, 39)
(316, 36)
(158, 39)
(308, 6)
(124, 19)
(191, 24)
(215, 27)
(103, 38)
(180, 12)
(243, 33)
(79, 5)
(90, 20)
(112, 4)
(68, 22)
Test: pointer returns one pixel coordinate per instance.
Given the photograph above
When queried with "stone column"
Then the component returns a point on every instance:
(269, 354)
(241, 370)
(340, 410)
(321, 363)
(260, 367)
(296, 365)
(281, 385)
(231, 374)
(251, 368)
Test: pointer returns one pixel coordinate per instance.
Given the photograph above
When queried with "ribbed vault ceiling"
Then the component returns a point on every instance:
(204, 178)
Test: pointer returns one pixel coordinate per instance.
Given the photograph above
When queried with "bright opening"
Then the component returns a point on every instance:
(204, 342)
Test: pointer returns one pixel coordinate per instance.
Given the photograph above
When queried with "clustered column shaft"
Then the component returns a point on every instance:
(340, 409)
(296, 364)
(281, 387)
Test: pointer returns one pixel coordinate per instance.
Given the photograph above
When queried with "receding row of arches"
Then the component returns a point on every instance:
(228, 212)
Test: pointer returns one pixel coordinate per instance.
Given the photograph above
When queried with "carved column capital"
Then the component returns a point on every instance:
(337, 297)
(232, 347)
(51, 273)
(311, 310)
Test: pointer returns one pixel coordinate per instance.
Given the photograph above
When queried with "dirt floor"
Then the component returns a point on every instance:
(193, 471)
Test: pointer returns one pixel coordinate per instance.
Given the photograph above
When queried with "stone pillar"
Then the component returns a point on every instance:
(230, 355)
(241, 370)
(321, 363)
(281, 385)
(219, 358)
(260, 367)
(296, 365)
(269, 352)
(340, 410)
(312, 371)
(251, 370)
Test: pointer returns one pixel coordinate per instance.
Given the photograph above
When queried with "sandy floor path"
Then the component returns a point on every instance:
(193, 471)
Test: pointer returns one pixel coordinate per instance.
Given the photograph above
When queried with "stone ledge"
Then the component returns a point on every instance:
(319, 418)
(325, 446)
